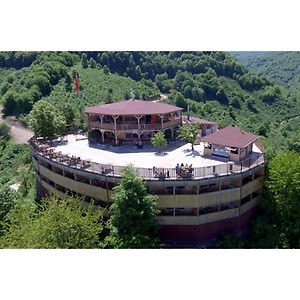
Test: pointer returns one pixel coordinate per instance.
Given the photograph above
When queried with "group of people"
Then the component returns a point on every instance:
(182, 169)
(139, 144)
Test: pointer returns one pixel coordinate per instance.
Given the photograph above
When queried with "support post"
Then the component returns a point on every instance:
(102, 135)
(138, 117)
(116, 132)
(172, 133)
(116, 137)
(162, 121)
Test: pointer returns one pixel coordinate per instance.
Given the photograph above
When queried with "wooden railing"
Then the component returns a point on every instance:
(134, 126)
(45, 151)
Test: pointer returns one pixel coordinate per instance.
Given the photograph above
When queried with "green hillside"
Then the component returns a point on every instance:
(210, 85)
(97, 87)
(213, 84)
(282, 67)
(243, 57)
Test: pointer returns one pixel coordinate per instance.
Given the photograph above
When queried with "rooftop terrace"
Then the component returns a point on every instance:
(77, 152)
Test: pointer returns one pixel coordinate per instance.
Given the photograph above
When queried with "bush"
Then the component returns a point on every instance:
(235, 102)
(84, 61)
(4, 131)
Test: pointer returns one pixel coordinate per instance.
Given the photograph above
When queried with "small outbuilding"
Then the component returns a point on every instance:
(231, 142)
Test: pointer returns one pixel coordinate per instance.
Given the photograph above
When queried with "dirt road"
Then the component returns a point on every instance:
(18, 132)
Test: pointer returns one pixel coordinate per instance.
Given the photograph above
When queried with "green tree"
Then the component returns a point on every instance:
(189, 133)
(42, 82)
(180, 101)
(159, 140)
(8, 198)
(84, 61)
(235, 102)
(133, 222)
(68, 81)
(93, 63)
(198, 94)
(57, 224)
(9, 102)
(262, 130)
(108, 97)
(4, 131)
(45, 120)
(188, 92)
(70, 112)
(106, 70)
(283, 185)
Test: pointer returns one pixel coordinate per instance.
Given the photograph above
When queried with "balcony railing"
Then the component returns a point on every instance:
(45, 151)
(134, 126)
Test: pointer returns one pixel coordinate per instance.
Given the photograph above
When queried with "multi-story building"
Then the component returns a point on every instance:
(200, 193)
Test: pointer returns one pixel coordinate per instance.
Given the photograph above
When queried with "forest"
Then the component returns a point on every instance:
(211, 85)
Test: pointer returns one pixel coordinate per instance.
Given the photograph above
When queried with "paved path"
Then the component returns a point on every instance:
(18, 132)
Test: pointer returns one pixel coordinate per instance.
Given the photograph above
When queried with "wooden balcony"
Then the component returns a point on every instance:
(197, 220)
(134, 126)
(202, 200)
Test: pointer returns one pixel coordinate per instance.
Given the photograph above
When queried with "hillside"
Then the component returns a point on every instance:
(213, 84)
(210, 85)
(282, 67)
(97, 87)
(243, 57)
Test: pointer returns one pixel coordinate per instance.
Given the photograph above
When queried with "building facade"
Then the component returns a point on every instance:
(132, 120)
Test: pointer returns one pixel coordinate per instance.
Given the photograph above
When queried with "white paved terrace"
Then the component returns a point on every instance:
(179, 152)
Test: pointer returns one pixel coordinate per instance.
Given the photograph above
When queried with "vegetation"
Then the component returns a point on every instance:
(46, 121)
(4, 131)
(282, 67)
(39, 88)
(8, 199)
(277, 225)
(189, 133)
(159, 140)
(133, 222)
(56, 224)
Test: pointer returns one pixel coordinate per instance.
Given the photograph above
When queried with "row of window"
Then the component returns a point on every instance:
(172, 211)
(67, 191)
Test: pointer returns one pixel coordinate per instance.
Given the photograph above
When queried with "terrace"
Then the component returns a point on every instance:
(77, 152)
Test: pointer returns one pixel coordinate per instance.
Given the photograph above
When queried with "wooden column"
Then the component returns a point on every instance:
(102, 135)
(180, 118)
(162, 120)
(116, 137)
(138, 120)
(115, 132)
(172, 133)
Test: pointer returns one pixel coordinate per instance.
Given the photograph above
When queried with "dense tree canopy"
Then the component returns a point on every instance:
(4, 131)
(284, 187)
(8, 198)
(46, 121)
(56, 224)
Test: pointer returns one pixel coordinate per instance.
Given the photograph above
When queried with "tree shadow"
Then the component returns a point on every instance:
(192, 153)
(161, 153)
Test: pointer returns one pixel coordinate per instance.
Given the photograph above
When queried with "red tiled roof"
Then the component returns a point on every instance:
(132, 107)
(230, 137)
(198, 120)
